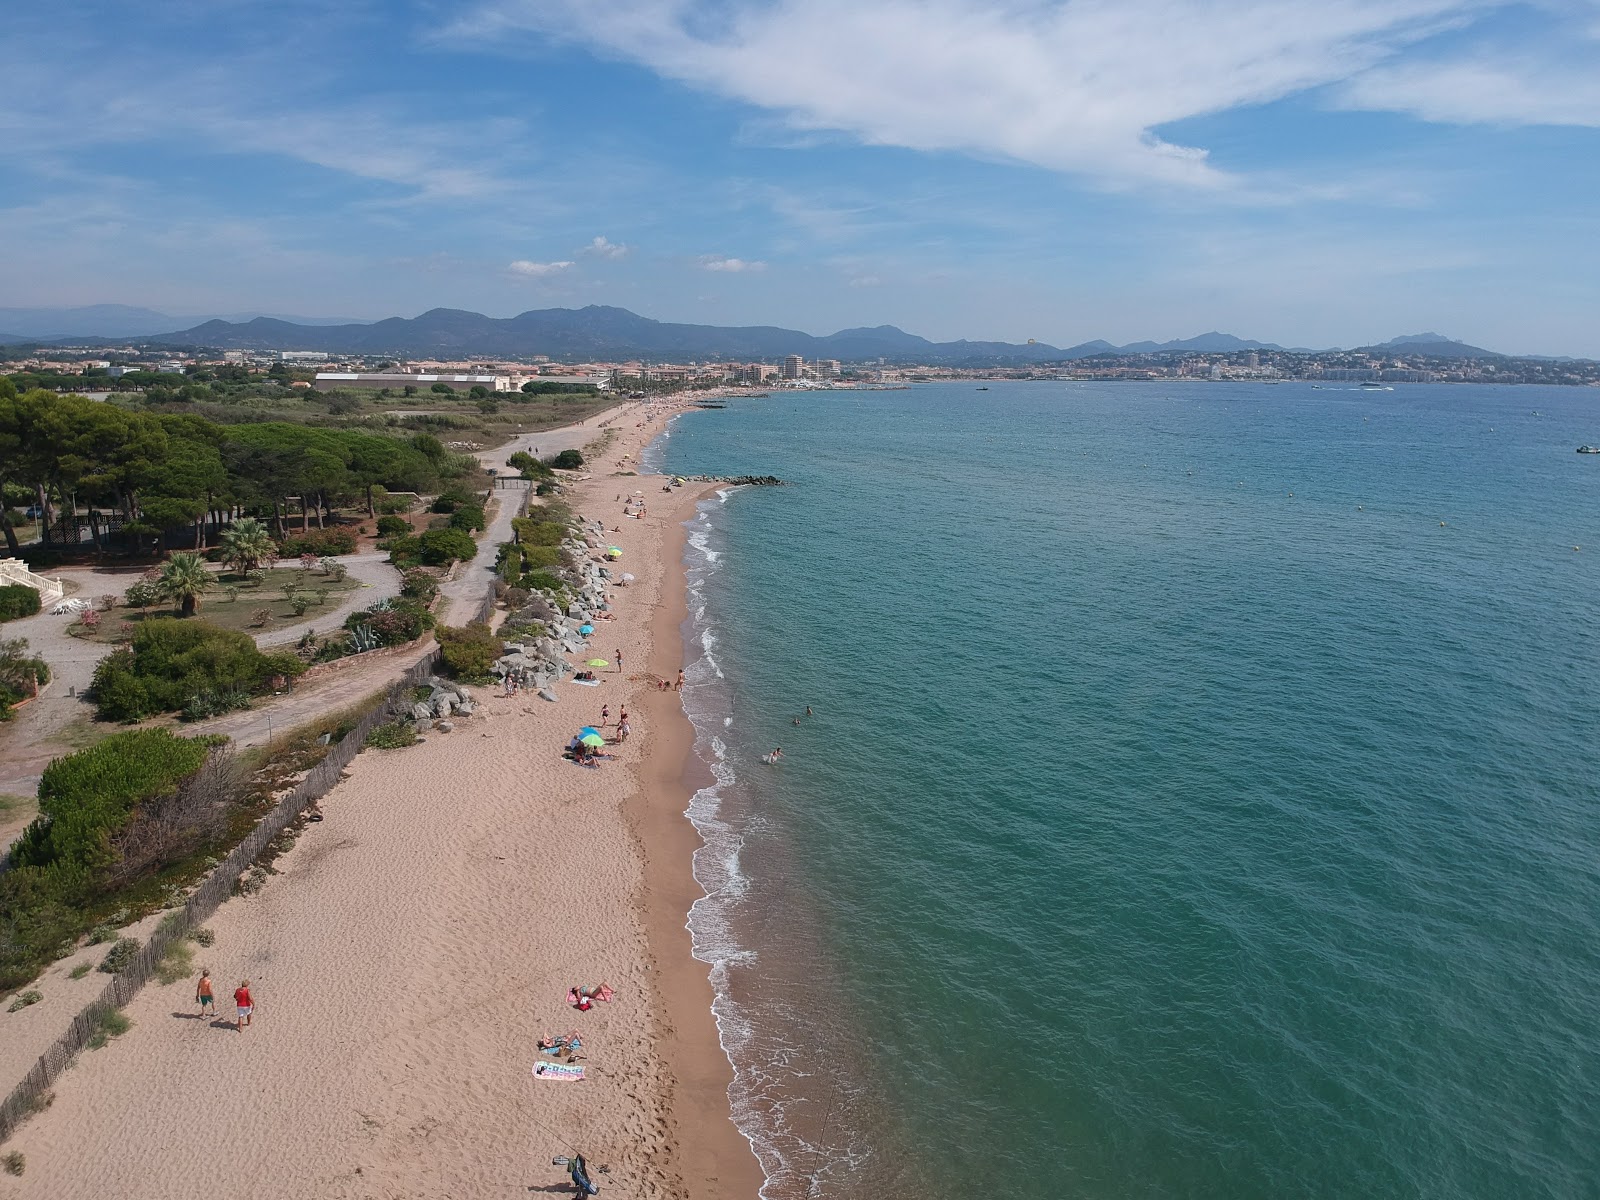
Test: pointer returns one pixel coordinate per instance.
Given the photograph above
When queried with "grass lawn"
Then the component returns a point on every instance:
(264, 590)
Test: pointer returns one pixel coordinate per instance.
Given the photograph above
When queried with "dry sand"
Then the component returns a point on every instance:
(418, 942)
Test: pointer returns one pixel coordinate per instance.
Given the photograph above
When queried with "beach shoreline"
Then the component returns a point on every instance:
(715, 1159)
(418, 940)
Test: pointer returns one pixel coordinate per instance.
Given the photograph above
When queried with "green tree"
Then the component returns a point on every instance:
(184, 579)
(246, 545)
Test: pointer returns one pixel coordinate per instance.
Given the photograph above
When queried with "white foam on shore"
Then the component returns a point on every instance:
(717, 863)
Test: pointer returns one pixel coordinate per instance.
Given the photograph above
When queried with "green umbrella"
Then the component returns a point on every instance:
(592, 739)
(598, 662)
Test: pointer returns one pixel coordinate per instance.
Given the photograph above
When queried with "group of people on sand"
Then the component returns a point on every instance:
(205, 998)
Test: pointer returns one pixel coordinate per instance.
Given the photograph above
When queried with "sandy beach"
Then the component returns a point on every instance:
(422, 937)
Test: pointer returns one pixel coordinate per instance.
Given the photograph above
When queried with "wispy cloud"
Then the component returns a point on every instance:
(602, 247)
(537, 270)
(711, 262)
(1487, 90)
(1080, 87)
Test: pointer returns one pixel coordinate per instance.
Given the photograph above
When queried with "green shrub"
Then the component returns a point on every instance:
(440, 547)
(419, 586)
(531, 531)
(393, 736)
(87, 797)
(404, 551)
(393, 622)
(392, 527)
(530, 466)
(321, 542)
(120, 957)
(102, 933)
(567, 460)
(203, 937)
(468, 517)
(18, 600)
(204, 705)
(536, 558)
(79, 971)
(177, 960)
(541, 581)
(24, 1000)
(172, 661)
(20, 674)
(390, 505)
(108, 1023)
(451, 499)
(15, 1162)
(469, 652)
(544, 489)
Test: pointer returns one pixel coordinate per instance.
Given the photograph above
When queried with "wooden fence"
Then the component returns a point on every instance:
(32, 1093)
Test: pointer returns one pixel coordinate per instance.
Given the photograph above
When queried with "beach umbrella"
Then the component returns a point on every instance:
(614, 551)
(598, 662)
(586, 630)
(587, 730)
(592, 739)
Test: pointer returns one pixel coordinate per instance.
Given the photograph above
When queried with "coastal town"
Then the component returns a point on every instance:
(134, 367)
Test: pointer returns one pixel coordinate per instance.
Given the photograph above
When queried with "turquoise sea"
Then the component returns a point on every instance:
(1202, 798)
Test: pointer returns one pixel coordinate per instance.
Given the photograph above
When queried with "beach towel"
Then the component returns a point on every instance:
(559, 1072)
(605, 993)
(587, 682)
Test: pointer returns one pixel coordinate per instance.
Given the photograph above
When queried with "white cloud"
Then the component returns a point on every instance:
(602, 247)
(1486, 90)
(866, 281)
(1081, 87)
(536, 270)
(712, 263)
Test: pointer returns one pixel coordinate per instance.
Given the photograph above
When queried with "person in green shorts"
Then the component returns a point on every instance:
(203, 995)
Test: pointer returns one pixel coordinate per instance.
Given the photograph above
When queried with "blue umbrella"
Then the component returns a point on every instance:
(586, 630)
(588, 729)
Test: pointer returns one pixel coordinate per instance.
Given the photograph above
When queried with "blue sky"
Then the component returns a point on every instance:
(1310, 172)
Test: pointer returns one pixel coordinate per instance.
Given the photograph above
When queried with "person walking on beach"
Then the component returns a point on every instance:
(678, 687)
(245, 1005)
(203, 994)
(619, 662)
(605, 714)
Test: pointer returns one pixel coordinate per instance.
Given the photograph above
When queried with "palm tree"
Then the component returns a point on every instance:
(247, 544)
(184, 578)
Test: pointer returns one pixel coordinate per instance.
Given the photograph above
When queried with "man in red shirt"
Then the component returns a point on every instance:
(241, 997)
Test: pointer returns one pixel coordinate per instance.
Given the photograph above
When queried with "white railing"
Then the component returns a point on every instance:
(14, 570)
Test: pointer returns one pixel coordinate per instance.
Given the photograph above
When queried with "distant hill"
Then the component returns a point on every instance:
(597, 331)
(603, 332)
(1206, 343)
(112, 321)
(1434, 345)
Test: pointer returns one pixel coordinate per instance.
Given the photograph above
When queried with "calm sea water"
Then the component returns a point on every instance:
(1201, 798)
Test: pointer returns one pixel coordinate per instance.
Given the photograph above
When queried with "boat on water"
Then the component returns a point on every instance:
(983, 389)
(1589, 449)
(1376, 387)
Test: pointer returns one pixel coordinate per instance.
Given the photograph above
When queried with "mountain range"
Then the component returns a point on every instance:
(600, 332)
